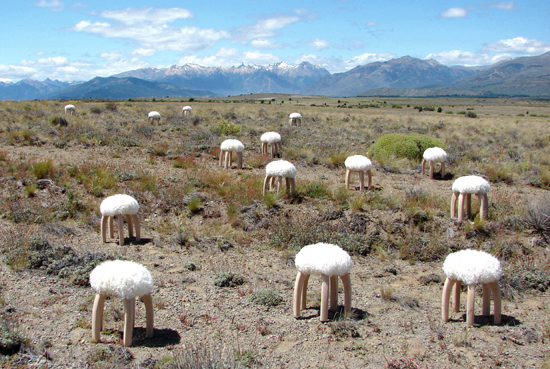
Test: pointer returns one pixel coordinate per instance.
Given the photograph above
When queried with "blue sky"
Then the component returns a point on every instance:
(76, 41)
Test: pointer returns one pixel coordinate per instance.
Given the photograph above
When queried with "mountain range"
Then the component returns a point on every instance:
(405, 76)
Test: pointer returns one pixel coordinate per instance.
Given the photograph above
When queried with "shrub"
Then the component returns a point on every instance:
(43, 169)
(10, 342)
(471, 114)
(410, 146)
(266, 297)
(59, 121)
(227, 279)
(537, 216)
(226, 128)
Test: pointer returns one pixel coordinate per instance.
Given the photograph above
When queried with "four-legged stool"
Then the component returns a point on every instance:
(463, 188)
(119, 205)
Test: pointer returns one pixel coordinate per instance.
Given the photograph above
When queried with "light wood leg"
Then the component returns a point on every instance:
(442, 170)
(138, 227)
(486, 301)
(227, 162)
(297, 299)
(468, 205)
(445, 299)
(346, 282)
(484, 207)
(129, 312)
(348, 173)
(221, 157)
(431, 169)
(272, 184)
(111, 227)
(423, 165)
(97, 317)
(120, 219)
(150, 315)
(304, 291)
(453, 204)
(279, 183)
(292, 186)
(461, 207)
(456, 296)
(470, 305)
(333, 294)
(264, 148)
(497, 302)
(264, 188)
(130, 225)
(240, 160)
(325, 280)
(369, 180)
(361, 180)
(104, 220)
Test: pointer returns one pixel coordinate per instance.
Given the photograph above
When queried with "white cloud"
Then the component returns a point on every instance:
(228, 57)
(15, 72)
(369, 58)
(132, 16)
(264, 43)
(53, 5)
(319, 44)
(467, 58)
(55, 61)
(509, 5)
(112, 56)
(39, 53)
(335, 65)
(144, 52)
(454, 13)
(372, 24)
(518, 45)
(264, 28)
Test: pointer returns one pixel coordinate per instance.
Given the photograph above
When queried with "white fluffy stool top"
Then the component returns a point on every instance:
(70, 106)
(187, 108)
(323, 258)
(154, 114)
(124, 279)
(271, 137)
(436, 154)
(232, 145)
(295, 115)
(119, 205)
(280, 168)
(471, 184)
(358, 162)
(472, 266)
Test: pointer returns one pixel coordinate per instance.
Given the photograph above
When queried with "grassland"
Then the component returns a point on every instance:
(202, 223)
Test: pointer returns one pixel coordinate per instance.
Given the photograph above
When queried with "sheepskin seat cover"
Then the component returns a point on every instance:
(69, 106)
(187, 108)
(295, 115)
(280, 168)
(472, 266)
(471, 184)
(358, 163)
(232, 145)
(271, 137)
(119, 205)
(323, 258)
(124, 279)
(436, 154)
(154, 114)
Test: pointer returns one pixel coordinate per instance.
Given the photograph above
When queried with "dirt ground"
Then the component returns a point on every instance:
(397, 303)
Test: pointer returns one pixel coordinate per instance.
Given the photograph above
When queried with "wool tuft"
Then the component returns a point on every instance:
(187, 108)
(280, 168)
(232, 145)
(323, 258)
(125, 279)
(358, 163)
(69, 107)
(119, 205)
(154, 114)
(471, 184)
(472, 266)
(295, 115)
(270, 137)
(436, 154)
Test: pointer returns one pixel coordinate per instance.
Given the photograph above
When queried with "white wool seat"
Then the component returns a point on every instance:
(331, 262)
(272, 139)
(71, 109)
(154, 116)
(471, 267)
(463, 188)
(361, 164)
(295, 119)
(119, 205)
(434, 155)
(277, 170)
(227, 148)
(186, 110)
(126, 280)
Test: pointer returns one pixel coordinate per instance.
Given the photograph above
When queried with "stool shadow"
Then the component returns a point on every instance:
(480, 320)
(132, 241)
(356, 314)
(448, 176)
(161, 338)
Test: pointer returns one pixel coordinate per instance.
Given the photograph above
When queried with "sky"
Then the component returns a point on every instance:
(77, 41)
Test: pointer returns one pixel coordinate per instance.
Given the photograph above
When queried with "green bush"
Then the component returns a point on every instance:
(266, 297)
(228, 279)
(226, 128)
(410, 146)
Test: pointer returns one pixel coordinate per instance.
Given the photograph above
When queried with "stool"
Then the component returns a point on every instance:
(295, 119)
(272, 139)
(361, 164)
(126, 280)
(330, 261)
(119, 205)
(227, 147)
(154, 116)
(71, 109)
(471, 267)
(277, 170)
(434, 155)
(464, 187)
(186, 111)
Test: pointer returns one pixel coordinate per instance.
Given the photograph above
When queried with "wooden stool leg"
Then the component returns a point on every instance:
(468, 205)
(496, 301)
(272, 184)
(361, 180)
(461, 207)
(130, 225)
(445, 299)
(348, 173)
(304, 292)
(240, 160)
(423, 165)
(470, 305)
(221, 157)
(120, 229)
(264, 188)
(333, 294)
(325, 280)
(453, 204)
(346, 282)
(292, 186)
(297, 299)
(264, 148)
(486, 301)
(129, 312)
(104, 220)
(431, 169)
(148, 302)
(484, 207)
(369, 180)
(456, 296)
(138, 228)
(228, 159)
(442, 170)
(287, 184)
(279, 183)
(111, 227)
(97, 316)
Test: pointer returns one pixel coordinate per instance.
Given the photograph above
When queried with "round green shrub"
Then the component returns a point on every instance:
(266, 297)
(410, 146)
